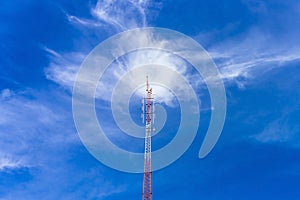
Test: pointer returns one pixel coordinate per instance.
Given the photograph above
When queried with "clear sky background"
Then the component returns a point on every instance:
(255, 45)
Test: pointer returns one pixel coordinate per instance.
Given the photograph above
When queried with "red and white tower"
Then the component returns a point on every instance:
(148, 115)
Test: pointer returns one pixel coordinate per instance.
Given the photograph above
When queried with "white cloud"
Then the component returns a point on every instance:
(143, 58)
(14, 107)
(63, 72)
(258, 48)
(115, 14)
(274, 132)
(253, 53)
(107, 190)
(65, 76)
(7, 163)
(282, 130)
(37, 133)
(279, 131)
(85, 22)
(122, 15)
(27, 124)
(63, 68)
(242, 56)
(118, 14)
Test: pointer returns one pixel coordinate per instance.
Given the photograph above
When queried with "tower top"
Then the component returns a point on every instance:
(149, 90)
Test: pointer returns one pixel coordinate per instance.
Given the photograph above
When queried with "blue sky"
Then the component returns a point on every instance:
(255, 44)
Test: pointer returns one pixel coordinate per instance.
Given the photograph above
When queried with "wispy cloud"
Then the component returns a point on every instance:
(7, 163)
(84, 22)
(23, 126)
(253, 53)
(38, 134)
(259, 48)
(63, 72)
(107, 190)
(122, 15)
(114, 15)
(238, 58)
(63, 68)
(117, 14)
(280, 131)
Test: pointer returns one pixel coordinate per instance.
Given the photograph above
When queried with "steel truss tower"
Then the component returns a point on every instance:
(147, 115)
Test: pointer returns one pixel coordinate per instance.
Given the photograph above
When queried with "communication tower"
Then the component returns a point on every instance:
(148, 117)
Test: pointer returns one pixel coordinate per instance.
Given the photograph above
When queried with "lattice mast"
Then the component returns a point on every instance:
(148, 108)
